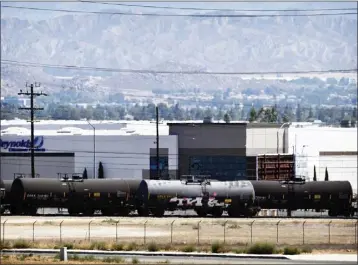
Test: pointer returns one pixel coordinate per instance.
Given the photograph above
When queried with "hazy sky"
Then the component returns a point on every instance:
(29, 14)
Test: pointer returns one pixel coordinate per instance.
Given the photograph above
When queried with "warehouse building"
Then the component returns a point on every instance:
(226, 151)
(128, 152)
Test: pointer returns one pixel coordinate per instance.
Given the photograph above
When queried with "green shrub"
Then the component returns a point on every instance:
(240, 250)
(113, 259)
(84, 258)
(68, 245)
(152, 247)
(135, 261)
(306, 249)
(73, 257)
(189, 248)
(20, 243)
(262, 248)
(167, 247)
(131, 246)
(4, 245)
(99, 245)
(217, 247)
(117, 247)
(291, 251)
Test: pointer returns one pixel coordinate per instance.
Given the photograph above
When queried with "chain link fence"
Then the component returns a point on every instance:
(184, 231)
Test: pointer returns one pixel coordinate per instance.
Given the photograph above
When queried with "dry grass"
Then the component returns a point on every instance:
(215, 247)
(36, 259)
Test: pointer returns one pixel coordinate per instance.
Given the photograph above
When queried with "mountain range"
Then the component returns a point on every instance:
(171, 43)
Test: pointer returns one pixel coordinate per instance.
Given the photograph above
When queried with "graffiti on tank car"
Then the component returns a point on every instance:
(187, 202)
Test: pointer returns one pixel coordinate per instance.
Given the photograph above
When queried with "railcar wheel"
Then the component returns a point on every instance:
(107, 212)
(123, 212)
(332, 213)
(15, 210)
(217, 212)
(201, 212)
(88, 212)
(143, 211)
(30, 211)
(72, 211)
(158, 212)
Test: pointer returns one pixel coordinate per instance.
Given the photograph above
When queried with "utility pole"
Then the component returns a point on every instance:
(157, 125)
(32, 110)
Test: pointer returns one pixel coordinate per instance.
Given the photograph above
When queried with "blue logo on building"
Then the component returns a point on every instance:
(23, 145)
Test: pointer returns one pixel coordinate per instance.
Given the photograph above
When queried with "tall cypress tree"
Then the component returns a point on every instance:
(100, 171)
(326, 175)
(314, 173)
(84, 175)
(252, 115)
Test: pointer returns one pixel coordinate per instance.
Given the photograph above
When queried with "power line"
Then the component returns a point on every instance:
(135, 166)
(145, 71)
(220, 9)
(176, 15)
(145, 156)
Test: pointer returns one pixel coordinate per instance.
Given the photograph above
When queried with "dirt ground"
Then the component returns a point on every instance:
(182, 230)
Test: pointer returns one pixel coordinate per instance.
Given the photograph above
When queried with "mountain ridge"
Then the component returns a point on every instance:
(172, 43)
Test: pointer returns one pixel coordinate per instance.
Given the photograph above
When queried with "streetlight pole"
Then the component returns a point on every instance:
(94, 149)
(157, 136)
(278, 138)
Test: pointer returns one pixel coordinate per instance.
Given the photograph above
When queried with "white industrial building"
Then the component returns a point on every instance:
(125, 148)
(325, 147)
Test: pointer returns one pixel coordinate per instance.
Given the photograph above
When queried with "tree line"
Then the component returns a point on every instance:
(177, 112)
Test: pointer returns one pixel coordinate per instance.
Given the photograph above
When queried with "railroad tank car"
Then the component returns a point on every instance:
(156, 196)
(238, 195)
(334, 196)
(111, 196)
(207, 197)
(5, 186)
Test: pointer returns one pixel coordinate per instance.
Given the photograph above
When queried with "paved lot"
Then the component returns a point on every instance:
(183, 230)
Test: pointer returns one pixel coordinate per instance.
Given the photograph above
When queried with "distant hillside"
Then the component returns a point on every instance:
(174, 43)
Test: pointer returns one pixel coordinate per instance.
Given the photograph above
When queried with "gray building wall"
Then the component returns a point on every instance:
(241, 140)
(207, 139)
(165, 172)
